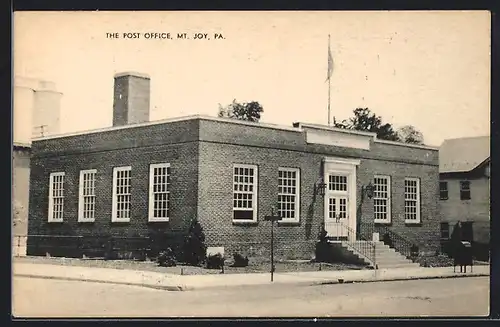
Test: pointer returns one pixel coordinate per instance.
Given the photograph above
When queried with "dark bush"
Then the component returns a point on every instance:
(194, 245)
(215, 261)
(166, 258)
(322, 252)
(239, 260)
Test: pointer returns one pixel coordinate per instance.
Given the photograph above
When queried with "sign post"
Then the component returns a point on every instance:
(272, 218)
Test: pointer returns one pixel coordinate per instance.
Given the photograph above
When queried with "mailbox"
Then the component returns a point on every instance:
(463, 256)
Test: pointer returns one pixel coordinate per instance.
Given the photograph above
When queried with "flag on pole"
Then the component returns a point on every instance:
(330, 61)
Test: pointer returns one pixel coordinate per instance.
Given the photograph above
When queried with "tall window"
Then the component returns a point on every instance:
(464, 190)
(382, 199)
(288, 194)
(245, 193)
(412, 200)
(121, 194)
(443, 190)
(86, 201)
(159, 192)
(56, 197)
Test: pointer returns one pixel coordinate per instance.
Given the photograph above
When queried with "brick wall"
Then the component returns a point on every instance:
(104, 151)
(226, 144)
(202, 153)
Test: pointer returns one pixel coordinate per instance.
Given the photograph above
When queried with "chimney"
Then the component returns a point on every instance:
(131, 98)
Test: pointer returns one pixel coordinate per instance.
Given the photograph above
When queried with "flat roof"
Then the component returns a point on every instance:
(297, 127)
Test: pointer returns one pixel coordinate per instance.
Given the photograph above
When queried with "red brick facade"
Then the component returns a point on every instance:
(201, 153)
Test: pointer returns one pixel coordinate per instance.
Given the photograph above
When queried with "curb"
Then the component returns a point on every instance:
(393, 279)
(179, 288)
(76, 279)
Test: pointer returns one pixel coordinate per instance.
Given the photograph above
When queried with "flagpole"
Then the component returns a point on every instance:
(329, 78)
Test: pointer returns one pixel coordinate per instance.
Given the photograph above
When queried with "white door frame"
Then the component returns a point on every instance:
(332, 165)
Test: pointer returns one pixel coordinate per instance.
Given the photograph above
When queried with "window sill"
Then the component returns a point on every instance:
(244, 222)
(55, 221)
(382, 222)
(413, 223)
(86, 221)
(158, 220)
(120, 220)
(289, 222)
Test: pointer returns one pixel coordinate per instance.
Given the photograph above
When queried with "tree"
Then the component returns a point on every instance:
(409, 134)
(194, 245)
(365, 120)
(250, 111)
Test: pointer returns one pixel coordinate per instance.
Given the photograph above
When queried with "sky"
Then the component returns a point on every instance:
(426, 69)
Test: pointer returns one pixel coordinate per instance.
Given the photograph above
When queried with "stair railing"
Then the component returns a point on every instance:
(394, 240)
(366, 248)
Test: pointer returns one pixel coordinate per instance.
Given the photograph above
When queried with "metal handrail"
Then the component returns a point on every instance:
(365, 247)
(396, 241)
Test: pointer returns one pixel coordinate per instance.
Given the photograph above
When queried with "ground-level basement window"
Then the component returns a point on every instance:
(382, 199)
(443, 190)
(464, 190)
(121, 194)
(244, 193)
(86, 201)
(159, 192)
(56, 197)
(288, 194)
(412, 200)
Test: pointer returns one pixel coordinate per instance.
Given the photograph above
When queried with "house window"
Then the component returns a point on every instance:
(245, 193)
(443, 190)
(288, 194)
(445, 231)
(412, 200)
(159, 192)
(382, 199)
(86, 201)
(56, 197)
(464, 190)
(121, 194)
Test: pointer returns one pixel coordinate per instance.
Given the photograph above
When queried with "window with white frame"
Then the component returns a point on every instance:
(159, 192)
(121, 194)
(382, 199)
(56, 197)
(337, 183)
(412, 200)
(86, 201)
(245, 193)
(288, 194)
(464, 190)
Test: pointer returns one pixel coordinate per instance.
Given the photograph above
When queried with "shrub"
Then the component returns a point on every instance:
(322, 247)
(194, 245)
(215, 261)
(239, 260)
(166, 258)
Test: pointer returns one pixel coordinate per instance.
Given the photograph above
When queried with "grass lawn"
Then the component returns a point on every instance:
(180, 269)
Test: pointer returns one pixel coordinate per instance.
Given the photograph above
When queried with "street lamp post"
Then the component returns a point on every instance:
(272, 218)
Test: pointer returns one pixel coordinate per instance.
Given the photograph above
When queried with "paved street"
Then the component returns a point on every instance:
(434, 297)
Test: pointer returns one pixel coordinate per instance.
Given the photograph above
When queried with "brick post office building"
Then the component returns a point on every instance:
(140, 177)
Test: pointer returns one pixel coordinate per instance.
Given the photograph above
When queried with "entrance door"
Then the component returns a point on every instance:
(340, 197)
(337, 201)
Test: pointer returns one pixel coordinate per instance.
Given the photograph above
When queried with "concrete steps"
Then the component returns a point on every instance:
(385, 257)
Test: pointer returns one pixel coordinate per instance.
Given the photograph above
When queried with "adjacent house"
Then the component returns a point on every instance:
(36, 112)
(140, 177)
(464, 188)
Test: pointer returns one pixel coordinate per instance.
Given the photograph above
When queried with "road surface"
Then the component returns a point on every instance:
(433, 297)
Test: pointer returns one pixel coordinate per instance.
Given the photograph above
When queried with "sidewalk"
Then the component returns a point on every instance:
(194, 282)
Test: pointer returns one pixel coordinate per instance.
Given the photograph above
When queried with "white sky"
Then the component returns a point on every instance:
(427, 69)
